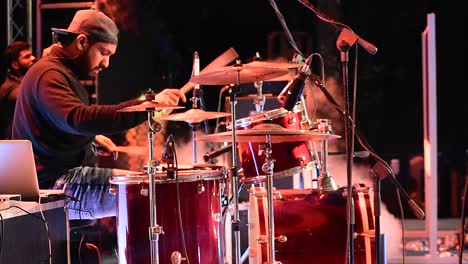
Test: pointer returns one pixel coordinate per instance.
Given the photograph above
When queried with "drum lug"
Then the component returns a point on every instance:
(278, 195)
(176, 257)
(200, 186)
(291, 119)
(144, 191)
(281, 238)
(264, 239)
(112, 190)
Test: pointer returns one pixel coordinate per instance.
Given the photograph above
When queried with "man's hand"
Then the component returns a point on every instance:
(104, 146)
(170, 96)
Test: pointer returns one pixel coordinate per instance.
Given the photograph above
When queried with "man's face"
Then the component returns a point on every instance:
(96, 57)
(25, 60)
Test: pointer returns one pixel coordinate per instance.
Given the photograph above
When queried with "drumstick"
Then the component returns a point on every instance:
(222, 60)
(132, 150)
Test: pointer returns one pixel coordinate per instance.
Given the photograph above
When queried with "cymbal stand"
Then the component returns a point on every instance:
(267, 167)
(194, 99)
(154, 230)
(235, 223)
(194, 142)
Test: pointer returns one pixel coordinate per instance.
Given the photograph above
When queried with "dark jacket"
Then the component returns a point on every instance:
(53, 112)
(8, 93)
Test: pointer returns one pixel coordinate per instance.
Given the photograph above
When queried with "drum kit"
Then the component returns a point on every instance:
(187, 206)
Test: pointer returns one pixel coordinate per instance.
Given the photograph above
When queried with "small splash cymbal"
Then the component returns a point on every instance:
(149, 106)
(258, 134)
(194, 116)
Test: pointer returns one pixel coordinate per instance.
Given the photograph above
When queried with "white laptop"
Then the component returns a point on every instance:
(18, 171)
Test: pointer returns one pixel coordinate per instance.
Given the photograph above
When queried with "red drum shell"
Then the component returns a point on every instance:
(290, 157)
(200, 214)
(314, 224)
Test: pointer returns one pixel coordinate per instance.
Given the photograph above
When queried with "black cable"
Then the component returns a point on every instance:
(285, 27)
(49, 237)
(79, 248)
(241, 186)
(179, 211)
(2, 235)
(462, 226)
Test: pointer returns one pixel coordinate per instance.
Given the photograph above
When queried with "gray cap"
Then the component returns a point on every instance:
(94, 23)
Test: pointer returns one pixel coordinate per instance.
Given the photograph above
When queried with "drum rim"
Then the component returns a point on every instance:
(161, 177)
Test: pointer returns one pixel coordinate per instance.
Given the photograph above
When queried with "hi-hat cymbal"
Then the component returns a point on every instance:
(228, 75)
(275, 65)
(194, 116)
(258, 134)
(149, 106)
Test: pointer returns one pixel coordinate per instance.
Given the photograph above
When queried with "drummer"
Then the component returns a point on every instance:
(53, 112)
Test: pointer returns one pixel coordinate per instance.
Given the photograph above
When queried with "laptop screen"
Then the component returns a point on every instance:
(18, 170)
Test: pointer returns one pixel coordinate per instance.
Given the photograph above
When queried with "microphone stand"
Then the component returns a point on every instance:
(343, 47)
(380, 170)
(346, 39)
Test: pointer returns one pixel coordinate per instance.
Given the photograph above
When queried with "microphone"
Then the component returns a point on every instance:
(293, 90)
(216, 153)
(168, 156)
(383, 172)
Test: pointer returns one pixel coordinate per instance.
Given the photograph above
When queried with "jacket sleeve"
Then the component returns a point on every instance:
(62, 106)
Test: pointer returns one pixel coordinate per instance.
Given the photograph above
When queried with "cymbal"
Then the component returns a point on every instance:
(275, 65)
(148, 106)
(258, 134)
(228, 75)
(194, 116)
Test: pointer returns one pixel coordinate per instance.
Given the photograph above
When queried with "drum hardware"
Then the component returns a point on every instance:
(203, 231)
(326, 181)
(176, 257)
(194, 117)
(259, 100)
(200, 186)
(310, 226)
(149, 106)
(267, 167)
(236, 74)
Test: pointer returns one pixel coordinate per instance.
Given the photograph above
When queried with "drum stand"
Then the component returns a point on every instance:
(233, 90)
(154, 230)
(268, 167)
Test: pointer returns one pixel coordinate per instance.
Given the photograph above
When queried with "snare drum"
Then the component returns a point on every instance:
(311, 227)
(188, 210)
(290, 157)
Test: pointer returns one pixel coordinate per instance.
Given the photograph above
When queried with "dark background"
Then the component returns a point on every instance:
(158, 39)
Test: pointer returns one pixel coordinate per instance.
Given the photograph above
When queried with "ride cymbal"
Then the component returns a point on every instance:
(275, 65)
(229, 75)
(258, 134)
(194, 116)
(149, 106)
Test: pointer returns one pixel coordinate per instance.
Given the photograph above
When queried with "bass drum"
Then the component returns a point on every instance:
(290, 157)
(311, 226)
(188, 210)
